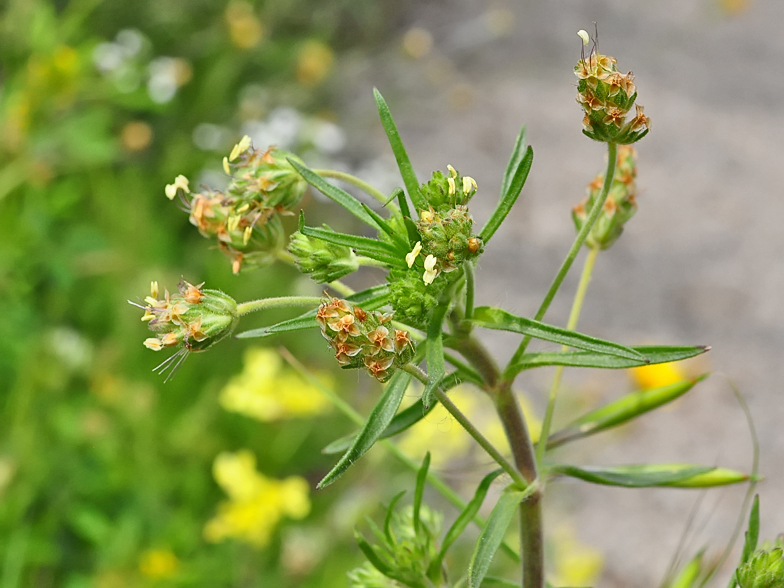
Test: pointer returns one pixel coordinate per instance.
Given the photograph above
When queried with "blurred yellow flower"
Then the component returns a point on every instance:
(136, 136)
(574, 564)
(267, 392)
(446, 440)
(417, 43)
(314, 62)
(159, 564)
(245, 29)
(734, 7)
(256, 503)
(655, 376)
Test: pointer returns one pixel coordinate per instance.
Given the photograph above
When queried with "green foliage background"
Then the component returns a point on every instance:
(99, 461)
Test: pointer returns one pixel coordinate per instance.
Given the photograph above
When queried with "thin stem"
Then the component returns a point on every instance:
(531, 538)
(574, 316)
(281, 302)
(468, 268)
(354, 181)
(348, 411)
(612, 150)
(469, 427)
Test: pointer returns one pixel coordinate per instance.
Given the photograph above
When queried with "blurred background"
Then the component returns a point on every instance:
(109, 478)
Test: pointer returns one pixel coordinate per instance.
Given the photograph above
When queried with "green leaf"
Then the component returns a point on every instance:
(389, 515)
(370, 299)
(493, 534)
(466, 516)
(680, 475)
(363, 245)
(652, 353)
(621, 411)
(518, 152)
(419, 491)
(434, 354)
(372, 556)
(752, 534)
(402, 244)
(403, 162)
(689, 574)
(509, 196)
(334, 193)
(379, 418)
(497, 318)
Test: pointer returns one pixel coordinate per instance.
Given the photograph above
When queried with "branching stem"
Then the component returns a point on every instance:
(354, 181)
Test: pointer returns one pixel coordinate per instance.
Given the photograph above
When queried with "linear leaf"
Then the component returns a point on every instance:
(390, 514)
(362, 245)
(461, 522)
(642, 476)
(370, 299)
(493, 534)
(332, 192)
(509, 196)
(518, 152)
(497, 318)
(402, 244)
(652, 353)
(752, 538)
(419, 490)
(403, 162)
(434, 354)
(621, 411)
(379, 418)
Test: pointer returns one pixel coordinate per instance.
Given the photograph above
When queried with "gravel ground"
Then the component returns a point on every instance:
(698, 264)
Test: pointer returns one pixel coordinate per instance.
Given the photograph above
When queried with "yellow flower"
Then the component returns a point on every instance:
(469, 183)
(267, 392)
(256, 503)
(314, 63)
(574, 563)
(430, 267)
(180, 183)
(412, 255)
(240, 148)
(656, 376)
(158, 564)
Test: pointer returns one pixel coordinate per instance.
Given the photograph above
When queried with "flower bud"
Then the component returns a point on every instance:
(326, 262)
(362, 339)
(266, 177)
(448, 191)
(447, 240)
(411, 298)
(619, 207)
(764, 569)
(607, 96)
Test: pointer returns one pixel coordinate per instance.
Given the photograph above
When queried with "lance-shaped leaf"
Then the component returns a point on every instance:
(620, 411)
(652, 353)
(334, 193)
(419, 490)
(374, 248)
(497, 318)
(679, 475)
(510, 193)
(434, 354)
(462, 521)
(400, 243)
(403, 162)
(370, 299)
(377, 422)
(493, 534)
(751, 539)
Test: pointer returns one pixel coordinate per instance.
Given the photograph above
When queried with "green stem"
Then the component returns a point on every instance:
(612, 150)
(469, 427)
(348, 411)
(337, 285)
(468, 268)
(281, 302)
(354, 181)
(574, 316)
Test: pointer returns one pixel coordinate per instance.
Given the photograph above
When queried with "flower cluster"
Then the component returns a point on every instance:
(245, 218)
(764, 569)
(620, 205)
(607, 96)
(326, 262)
(360, 339)
(191, 320)
(256, 503)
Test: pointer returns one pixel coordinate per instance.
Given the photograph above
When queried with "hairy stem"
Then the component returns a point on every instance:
(281, 302)
(612, 155)
(574, 316)
(354, 181)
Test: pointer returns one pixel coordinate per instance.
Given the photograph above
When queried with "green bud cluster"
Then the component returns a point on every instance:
(620, 205)
(764, 569)
(192, 320)
(367, 576)
(606, 96)
(265, 177)
(448, 236)
(412, 299)
(360, 339)
(448, 191)
(326, 262)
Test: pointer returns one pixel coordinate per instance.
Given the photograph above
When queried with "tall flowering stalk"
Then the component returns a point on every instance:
(420, 323)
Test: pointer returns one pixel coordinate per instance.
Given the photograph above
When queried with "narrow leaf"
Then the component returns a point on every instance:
(370, 299)
(332, 192)
(689, 574)
(379, 418)
(434, 354)
(390, 514)
(462, 521)
(588, 359)
(402, 244)
(518, 152)
(362, 245)
(752, 534)
(493, 534)
(372, 556)
(420, 489)
(403, 162)
(509, 197)
(497, 318)
(621, 411)
(642, 476)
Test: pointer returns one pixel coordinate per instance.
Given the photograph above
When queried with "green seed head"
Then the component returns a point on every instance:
(325, 262)
(765, 569)
(412, 299)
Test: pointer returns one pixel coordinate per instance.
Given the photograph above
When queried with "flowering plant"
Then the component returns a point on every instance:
(420, 325)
